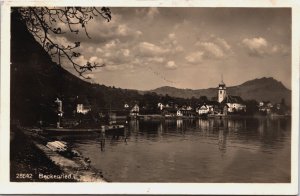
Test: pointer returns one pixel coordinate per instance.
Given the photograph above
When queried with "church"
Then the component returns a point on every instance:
(229, 103)
(222, 104)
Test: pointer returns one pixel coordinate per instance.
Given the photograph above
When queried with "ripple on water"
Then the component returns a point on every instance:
(193, 151)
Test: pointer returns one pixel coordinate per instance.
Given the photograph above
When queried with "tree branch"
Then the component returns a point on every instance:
(41, 21)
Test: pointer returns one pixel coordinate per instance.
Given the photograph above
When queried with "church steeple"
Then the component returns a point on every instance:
(221, 90)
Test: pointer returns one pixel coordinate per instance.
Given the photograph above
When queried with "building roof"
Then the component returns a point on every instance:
(233, 99)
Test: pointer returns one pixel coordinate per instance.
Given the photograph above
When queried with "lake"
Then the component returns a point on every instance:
(212, 150)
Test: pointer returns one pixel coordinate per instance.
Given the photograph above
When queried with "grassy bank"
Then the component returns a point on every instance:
(27, 162)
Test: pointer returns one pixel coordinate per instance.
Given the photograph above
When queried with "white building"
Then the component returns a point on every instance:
(135, 110)
(236, 107)
(160, 106)
(221, 92)
(179, 113)
(82, 109)
(205, 109)
(265, 106)
(59, 105)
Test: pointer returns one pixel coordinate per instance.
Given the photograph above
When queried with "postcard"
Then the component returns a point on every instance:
(149, 97)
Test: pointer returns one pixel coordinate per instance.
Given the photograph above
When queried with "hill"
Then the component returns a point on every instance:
(266, 89)
(36, 81)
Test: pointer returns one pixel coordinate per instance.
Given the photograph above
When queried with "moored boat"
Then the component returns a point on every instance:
(84, 130)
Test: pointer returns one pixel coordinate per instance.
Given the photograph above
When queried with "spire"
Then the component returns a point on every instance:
(222, 82)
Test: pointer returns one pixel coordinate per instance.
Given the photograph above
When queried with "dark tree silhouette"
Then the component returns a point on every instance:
(44, 23)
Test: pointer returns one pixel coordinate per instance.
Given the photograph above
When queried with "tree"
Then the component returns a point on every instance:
(251, 106)
(203, 99)
(45, 23)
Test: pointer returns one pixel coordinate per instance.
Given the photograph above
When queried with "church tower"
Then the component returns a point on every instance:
(221, 91)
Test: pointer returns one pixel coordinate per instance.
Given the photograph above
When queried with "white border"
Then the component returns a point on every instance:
(7, 187)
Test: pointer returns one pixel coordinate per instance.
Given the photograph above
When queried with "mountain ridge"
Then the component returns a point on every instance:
(260, 89)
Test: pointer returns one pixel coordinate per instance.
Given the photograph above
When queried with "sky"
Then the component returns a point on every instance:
(146, 48)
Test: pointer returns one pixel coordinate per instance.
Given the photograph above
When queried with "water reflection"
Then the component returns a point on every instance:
(179, 124)
(102, 141)
(198, 150)
(134, 125)
(260, 129)
(222, 141)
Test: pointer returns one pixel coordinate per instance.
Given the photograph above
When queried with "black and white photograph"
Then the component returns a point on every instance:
(151, 94)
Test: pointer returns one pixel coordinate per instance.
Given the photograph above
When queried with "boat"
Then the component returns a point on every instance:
(106, 128)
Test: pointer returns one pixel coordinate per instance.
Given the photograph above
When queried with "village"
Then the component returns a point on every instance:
(224, 105)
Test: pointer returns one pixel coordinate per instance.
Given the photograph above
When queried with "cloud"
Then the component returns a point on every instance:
(156, 60)
(60, 40)
(171, 65)
(222, 43)
(280, 49)
(257, 46)
(260, 47)
(152, 12)
(149, 49)
(195, 57)
(172, 44)
(81, 60)
(101, 31)
(114, 52)
(125, 52)
(213, 48)
(95, 59)
(111, 68)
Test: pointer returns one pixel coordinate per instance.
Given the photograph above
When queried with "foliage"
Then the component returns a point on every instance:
(45, 23)
(252, 106)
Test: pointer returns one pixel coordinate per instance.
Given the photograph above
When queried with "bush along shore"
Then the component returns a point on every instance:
(32, 161)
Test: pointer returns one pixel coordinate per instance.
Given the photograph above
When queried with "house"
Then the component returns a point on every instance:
(179, 113)
(186, 111)
(205, 109)
(167, 105)
(134, 110)
(160, 106)
(126, 106)
(189, 108)
(83, 109)
(235, 104)
(82, 105)
(265, 107)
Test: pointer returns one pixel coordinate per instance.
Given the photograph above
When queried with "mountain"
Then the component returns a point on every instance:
(262, 89)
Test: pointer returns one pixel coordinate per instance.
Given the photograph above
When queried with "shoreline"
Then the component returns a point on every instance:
(32, 161)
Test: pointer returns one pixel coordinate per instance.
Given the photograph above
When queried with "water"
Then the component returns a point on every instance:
(213, 150)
